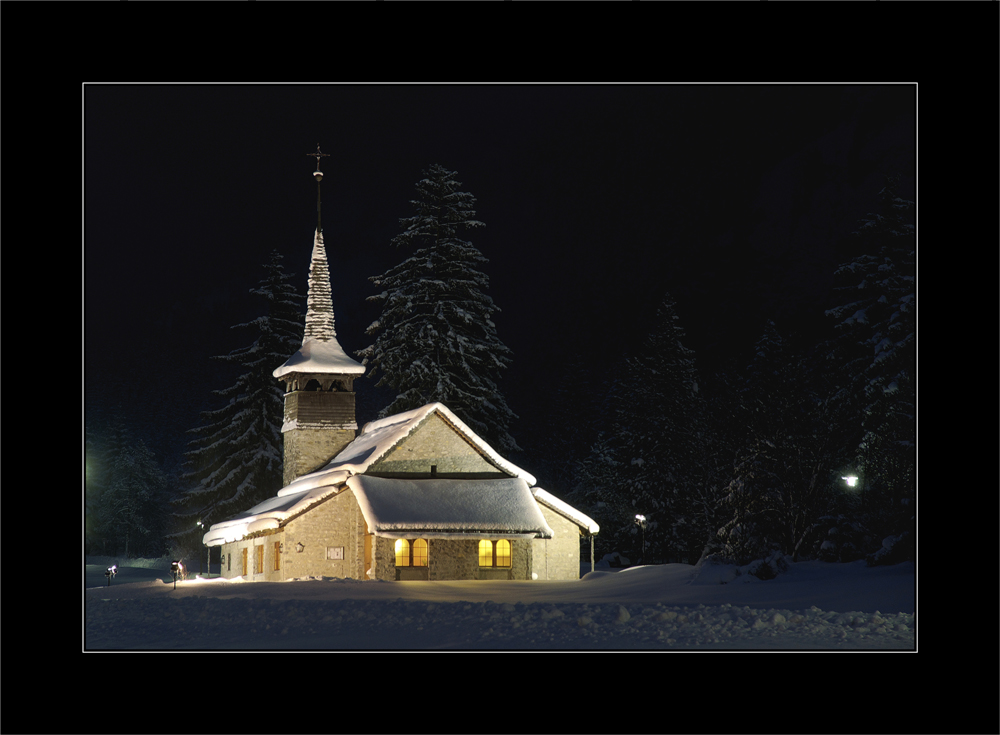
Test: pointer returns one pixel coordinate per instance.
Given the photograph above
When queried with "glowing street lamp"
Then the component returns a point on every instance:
(112, 571)
(641, 521)
(852, 481)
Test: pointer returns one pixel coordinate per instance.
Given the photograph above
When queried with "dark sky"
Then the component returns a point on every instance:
(597, 200)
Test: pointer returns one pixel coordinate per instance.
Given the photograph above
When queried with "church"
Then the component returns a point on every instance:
(415, 496)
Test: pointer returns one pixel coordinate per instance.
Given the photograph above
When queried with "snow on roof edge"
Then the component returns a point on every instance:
(560, 506)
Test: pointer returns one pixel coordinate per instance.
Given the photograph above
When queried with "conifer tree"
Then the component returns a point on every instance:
(656, 460)
(876, 347)
(131, 508)
(235, 457)
(785, 458)
(435, 339)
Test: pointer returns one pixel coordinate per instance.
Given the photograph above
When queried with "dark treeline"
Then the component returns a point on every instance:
(748, 464)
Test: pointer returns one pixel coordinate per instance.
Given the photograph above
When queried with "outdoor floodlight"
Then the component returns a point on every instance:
(112, 571)
(641, 520)
(176, 568)
(851, 480)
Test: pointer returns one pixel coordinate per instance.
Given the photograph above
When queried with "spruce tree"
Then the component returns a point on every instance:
(435, 339)
(656, 460)
(235, 457)
(876, 349)
(786, 456)
(131, 508)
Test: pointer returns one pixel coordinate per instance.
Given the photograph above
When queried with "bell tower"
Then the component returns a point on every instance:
(319, 393)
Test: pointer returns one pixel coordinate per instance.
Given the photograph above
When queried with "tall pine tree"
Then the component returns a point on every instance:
(790, 446)
(435, 339)
(655, 461)
(235, 459)
(131, 507)
(876, 345)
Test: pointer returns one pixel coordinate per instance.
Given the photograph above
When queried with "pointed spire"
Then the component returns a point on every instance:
(320, 353)
(319, 304)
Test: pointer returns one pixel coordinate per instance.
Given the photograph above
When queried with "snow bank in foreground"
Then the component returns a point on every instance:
(812, 606)
(240, 623)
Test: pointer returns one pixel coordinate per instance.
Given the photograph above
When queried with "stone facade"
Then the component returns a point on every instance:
(453, 559)
(435, 444)
(335, 524)
(258, 546)
(307, 450)
(557, 557)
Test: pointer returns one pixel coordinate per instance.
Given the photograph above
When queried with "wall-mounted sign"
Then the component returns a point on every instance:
(334, 552)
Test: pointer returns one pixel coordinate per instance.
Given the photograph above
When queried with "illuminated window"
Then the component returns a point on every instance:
(420, 553)
(494, 553)
(244, 561)
(485, 553)
(258, 559)
(277, 555)
(503, 553)
(411, 555)
(402, 552)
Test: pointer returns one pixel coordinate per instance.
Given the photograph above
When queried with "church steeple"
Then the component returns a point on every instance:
(319, 377)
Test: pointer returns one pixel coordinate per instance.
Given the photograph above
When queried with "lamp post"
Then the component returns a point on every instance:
(208, 554)
(641, 520)
(176, 568)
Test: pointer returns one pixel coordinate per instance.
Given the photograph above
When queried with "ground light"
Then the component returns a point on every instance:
(112, 571)
(176, 568)
(641, 520)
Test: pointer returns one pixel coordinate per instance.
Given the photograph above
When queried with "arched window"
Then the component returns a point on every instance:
(402, 552)
(485, 553)
(494, 553)
(411, 555)
(503, 553)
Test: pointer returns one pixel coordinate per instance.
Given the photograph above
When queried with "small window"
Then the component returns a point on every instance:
(485, 553)
(402, 552)
(277, 555)
(411, 555)
(494, 553)
(420, 553)
(258, 559)
(244, 561)
(503, 553)
(229, 562)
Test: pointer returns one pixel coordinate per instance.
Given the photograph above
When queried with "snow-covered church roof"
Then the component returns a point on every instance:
(449, 508)
(320, 352)
(377, 438)
(466, 508)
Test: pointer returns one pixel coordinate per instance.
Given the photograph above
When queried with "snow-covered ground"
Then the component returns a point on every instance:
(813, 605)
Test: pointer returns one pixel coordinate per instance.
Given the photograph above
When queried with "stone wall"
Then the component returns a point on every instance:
(334, 523)
(232, 558)
(559, 556)
(307, 450)
(434, 443)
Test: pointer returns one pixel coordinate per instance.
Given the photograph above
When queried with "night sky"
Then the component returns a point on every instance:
(737, 200)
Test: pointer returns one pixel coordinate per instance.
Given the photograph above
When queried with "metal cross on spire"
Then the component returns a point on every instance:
(319, 177)
(318, 154)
